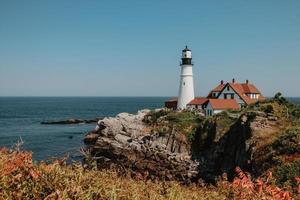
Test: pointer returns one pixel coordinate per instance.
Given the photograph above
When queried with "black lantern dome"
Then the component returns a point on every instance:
(186, 58)
(186, 49)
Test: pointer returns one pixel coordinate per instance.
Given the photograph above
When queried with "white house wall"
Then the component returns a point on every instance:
(217, 111)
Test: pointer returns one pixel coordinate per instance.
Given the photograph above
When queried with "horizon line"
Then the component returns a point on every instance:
(118, 96)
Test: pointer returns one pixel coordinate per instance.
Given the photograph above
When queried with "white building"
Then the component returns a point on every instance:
(215, 106)
(244, 93)
(197, 103)
(186, 87)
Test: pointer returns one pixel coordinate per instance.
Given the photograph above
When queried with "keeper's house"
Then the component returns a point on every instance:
(225, 96)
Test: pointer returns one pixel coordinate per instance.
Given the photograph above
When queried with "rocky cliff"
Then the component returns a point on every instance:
(127, 143)
(236, 146)
(185, 146)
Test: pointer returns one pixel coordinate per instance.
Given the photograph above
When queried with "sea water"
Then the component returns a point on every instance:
(21, 117)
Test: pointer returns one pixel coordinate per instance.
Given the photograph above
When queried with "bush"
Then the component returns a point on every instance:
(280, 99)
(286, 173)
(191, 136)
(267, 108)
(296, 112)
(288, 142)
(153, 116)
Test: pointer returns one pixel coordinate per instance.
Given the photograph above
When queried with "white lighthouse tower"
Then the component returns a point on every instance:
(186, 87)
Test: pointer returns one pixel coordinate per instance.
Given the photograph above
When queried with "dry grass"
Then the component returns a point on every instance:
(20, 178)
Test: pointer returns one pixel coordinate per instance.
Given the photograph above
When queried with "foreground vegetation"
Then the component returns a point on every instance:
(20, 178)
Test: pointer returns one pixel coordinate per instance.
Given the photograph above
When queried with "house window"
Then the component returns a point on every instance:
(225, 96)
(232, 96)
(183, 83)
(228, 88)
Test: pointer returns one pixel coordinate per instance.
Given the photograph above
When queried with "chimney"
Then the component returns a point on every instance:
(222, 82)
(247, 81)
(233, 80)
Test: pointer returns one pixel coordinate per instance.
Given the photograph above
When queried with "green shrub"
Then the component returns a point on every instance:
(191, 136)
(286, 174)
(280, 99)
(153, 116)
(267, 108)
(288, 143)
(296, 112)
(183, 118)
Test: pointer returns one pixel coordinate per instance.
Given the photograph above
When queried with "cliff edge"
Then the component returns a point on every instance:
(185, 146)
(126, 142)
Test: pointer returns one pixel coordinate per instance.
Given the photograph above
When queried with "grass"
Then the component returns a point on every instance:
(21, 178)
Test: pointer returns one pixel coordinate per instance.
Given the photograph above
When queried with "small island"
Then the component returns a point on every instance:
(72, 121)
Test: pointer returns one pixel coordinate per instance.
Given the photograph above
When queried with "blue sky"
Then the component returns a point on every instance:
(132, 48)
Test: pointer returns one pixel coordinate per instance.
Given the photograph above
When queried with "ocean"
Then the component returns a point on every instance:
(20, 117)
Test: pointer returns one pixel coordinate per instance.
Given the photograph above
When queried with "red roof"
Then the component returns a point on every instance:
(198, 101)
(243, 89)
(224, 104)
(172, 100)
(219, 88)
(249, 88)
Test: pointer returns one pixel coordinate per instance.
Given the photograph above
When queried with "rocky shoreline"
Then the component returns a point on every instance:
(127, 143)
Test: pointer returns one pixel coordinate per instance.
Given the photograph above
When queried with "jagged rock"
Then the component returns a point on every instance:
(235, 148)
(91, 138)
(126, 142)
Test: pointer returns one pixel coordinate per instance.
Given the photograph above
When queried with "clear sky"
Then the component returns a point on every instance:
(133, 48)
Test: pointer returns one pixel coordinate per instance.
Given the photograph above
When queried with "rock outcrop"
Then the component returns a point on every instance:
(236, 147)
(125, 142)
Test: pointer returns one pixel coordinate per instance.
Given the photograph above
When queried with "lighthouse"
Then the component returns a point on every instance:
(186, 87)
